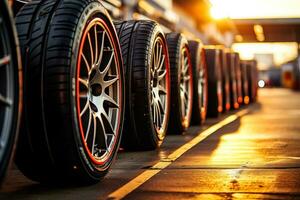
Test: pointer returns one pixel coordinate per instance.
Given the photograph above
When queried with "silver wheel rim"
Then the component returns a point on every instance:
(159, 86)
(99, 92)
(6, 87)
(185, 87)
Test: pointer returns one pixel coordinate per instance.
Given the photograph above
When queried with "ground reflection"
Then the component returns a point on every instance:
(238, 149)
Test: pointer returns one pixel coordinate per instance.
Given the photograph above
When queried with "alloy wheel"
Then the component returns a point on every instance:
(186, 84)
(159, 86)
(99, 92)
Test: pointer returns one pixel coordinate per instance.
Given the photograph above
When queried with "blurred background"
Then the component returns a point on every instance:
(267, 30)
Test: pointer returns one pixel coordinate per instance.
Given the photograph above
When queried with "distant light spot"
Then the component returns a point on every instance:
(261, 83)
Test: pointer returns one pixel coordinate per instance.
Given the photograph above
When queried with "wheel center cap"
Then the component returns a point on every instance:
(96, 90)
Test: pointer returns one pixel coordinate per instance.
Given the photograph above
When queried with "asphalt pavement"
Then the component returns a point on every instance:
(253, 153)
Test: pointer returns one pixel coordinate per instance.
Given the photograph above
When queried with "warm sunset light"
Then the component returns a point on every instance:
(238, 9)
(218, 13)
(282, 51)
(150, 99)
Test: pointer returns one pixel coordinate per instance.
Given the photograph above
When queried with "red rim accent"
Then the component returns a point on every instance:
(106, 28)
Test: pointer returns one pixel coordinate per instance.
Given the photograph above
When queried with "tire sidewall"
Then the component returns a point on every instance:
(198, 61)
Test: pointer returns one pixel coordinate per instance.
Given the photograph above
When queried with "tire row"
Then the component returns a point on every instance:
(92, 85)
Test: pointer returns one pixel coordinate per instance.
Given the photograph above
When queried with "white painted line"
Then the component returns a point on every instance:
(146, 175)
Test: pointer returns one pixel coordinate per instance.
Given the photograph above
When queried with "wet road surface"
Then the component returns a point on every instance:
(255, 155)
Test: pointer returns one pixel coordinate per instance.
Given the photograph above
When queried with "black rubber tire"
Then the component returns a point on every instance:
(253, 79)
(233, 85)
(215, 96)
(238, 78)
(176, 43)
(137, 39)
(199, 99)
(245, 81)
(50, 149)
(11, 92)
(225, 81)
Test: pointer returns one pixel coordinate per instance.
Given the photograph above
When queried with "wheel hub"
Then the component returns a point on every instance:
(96, 90)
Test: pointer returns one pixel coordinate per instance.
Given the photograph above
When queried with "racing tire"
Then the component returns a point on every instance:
(225, 81)
(10, 88)
(200, 82)
(181, 83)
(147, 80)
(215, 94)
(232, 80)
(73, 91)
(252, 73)
(245, 88)
(238, 78)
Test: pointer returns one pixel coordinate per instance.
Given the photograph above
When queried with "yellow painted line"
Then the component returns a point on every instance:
(146, 175)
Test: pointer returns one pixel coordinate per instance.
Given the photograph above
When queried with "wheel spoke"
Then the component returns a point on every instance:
(83, 82)
(160, 105)
(162, 75)
(111, 81)
(182, 63)
(5, 101)
(94, 133)
(104, 136)
(107, 67)
(154, 113)
(161, 64)
(158, 115)
(186, 96)
(96, 44)
(111, 101)
(4, 61)
(162, 90)
(101, 49)
(182, 88)
(201, 73)
(155, 57)
(96, 78)
(152, 72)
(186, 78)
(159, 56)
(85, 108)
(186, 66)
(86, 62)
(183, 99)
(88, 126)
(106, 118)
(182, 104)
(91, 49)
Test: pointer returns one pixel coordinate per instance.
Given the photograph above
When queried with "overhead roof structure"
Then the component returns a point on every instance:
(268, 30)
